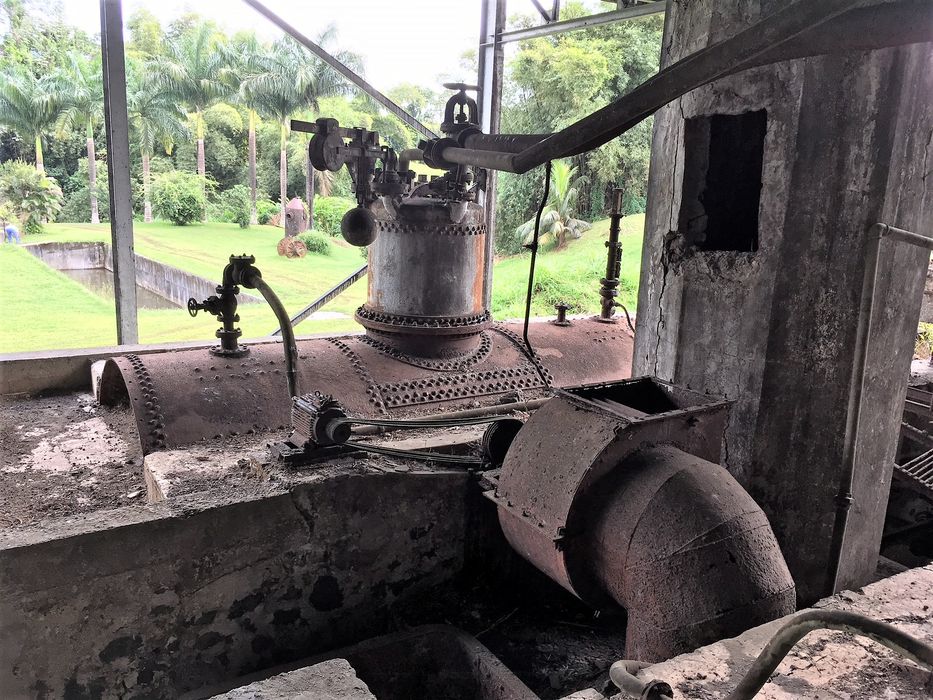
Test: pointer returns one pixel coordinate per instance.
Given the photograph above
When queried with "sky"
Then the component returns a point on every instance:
(401, 40)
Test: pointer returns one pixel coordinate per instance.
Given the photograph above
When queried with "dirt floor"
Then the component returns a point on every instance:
(64, 455)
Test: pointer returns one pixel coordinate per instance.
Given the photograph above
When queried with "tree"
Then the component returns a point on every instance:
(195, 71)
(558, 219)
(245, 50)
(146, 36)
(283, 79)
(80, 84)
(155, 119)
(30, 194)
(30, 106)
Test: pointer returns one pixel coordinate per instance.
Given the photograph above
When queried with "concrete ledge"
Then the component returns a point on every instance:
(157, 601)
(824, 665)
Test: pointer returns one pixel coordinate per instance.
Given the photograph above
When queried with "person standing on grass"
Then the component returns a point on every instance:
(10, 232)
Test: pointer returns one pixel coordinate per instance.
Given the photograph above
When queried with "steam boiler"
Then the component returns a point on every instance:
(611, 487)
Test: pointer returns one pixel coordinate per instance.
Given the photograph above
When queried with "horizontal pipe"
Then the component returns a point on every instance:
(493, 160)
(406, 156)
(797, 30)
(499, 409)
(504, 143)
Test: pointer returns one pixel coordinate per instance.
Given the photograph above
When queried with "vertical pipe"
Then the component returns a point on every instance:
(610, 283)
(876, 234)
(118, 168)
(491, 66)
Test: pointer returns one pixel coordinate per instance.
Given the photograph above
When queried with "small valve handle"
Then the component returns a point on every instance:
(194, 306)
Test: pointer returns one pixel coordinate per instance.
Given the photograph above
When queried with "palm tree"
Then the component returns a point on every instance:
(282, 80)
(195, 71)
(155, 119)
(82, 88)
(29, 106)
(244, 50)
(558, 218)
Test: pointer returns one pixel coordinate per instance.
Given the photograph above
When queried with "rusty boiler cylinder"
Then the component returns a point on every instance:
(426, 272)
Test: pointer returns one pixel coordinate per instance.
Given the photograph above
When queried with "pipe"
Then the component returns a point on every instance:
(526, 406)
(506, 143)
(622, 674)
(610, 283)
(800, 625)
(876, 234)
(252, 279)
(797, 30)
(406, 156)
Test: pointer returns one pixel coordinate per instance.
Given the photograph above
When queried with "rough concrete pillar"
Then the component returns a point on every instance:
(762, 188)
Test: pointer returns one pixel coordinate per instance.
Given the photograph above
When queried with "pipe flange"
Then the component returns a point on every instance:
(422, 325)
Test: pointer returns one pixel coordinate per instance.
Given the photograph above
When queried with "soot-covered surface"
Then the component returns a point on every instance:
(65, 455)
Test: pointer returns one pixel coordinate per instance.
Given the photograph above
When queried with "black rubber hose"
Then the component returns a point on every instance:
(800, 625)
(533, 247)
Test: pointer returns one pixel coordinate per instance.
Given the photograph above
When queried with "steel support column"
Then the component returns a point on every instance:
(491, 67)
(118, 169)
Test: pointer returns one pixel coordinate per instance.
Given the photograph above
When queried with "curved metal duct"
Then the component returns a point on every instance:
(611, 491)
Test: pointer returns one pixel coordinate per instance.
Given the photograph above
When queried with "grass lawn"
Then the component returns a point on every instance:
(44, 309)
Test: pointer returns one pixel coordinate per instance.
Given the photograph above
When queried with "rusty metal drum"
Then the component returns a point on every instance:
(427, 267)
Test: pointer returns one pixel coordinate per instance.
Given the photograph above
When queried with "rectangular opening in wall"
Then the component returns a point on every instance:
(723, 155)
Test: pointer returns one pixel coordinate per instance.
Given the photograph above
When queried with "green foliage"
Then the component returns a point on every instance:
(265, 210)
(29, 105)
(557, 219)
(224, 147)
(554, 81)
(328, 212)
(178, 197)
(392, 132)
(146, 36)
(923, 345)
(234, 205)
(316, 242)
(77, 206)
(33, 197)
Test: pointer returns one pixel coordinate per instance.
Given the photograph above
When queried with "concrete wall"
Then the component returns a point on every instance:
(164, 280)
(847, 144)
(150, 602)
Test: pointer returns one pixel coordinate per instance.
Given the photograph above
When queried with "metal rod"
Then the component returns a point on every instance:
(876, 234)
(497, 410)
(326, 297)
(544, 13)
(570, 25)
(341, 68)
(491, 67)
(118, 169)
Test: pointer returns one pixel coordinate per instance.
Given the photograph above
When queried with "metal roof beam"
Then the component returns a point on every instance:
(341, 68)
(570, 25)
